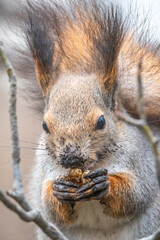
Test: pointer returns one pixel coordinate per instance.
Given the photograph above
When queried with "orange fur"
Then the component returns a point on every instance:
(45, 80)
(77, 47)
(116, 199)
(75, 50)
(133, 52)
(130, 55)
(64, 212)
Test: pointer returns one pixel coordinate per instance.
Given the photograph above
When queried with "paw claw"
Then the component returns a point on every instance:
(62, 188)
(96, 173)
(93, 183)
(66, 183)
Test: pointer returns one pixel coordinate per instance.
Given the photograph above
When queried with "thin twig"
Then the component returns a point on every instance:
(17, 178)
(33, 216)
(17, 184)
(140, 106)
(24, 210)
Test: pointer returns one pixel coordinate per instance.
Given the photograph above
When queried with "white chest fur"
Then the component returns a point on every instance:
(93, 224)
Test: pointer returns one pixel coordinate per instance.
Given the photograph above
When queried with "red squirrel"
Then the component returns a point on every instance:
(85, 59)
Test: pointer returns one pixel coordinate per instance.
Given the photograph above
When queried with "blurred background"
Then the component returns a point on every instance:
(29, 122)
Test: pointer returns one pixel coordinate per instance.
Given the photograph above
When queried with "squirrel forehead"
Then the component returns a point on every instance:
(75, 87)
(75, 96)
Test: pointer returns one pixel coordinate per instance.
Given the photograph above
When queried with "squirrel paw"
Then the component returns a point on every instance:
(95, 188)
(65, 191)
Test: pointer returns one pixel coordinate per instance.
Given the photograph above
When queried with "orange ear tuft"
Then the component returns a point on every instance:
(40, 41)
(110, 78)
(44, 78)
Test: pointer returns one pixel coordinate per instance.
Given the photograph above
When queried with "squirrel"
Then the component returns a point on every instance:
(85, 58)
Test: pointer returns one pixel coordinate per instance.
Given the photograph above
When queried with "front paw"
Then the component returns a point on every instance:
(96, 187)
(65, 191)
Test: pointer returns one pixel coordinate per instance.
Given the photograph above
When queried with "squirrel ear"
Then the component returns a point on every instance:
(44, 76)
(41, 44)
(110, 86)
(109, 64)
(114, 96)
(109, 79)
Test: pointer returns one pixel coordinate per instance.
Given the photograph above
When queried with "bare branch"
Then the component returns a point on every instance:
(33, 216)
(17, 184)
(24, 210)
(140, 106)
(26, 216)
(127, 118)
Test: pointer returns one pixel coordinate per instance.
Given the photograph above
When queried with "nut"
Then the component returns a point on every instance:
(76, 175)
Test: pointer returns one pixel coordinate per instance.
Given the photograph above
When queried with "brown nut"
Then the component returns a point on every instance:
(76, 176)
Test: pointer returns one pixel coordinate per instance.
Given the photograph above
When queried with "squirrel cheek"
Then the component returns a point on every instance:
(93, 155)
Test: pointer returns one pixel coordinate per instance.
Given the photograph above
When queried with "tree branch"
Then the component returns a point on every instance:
(33, 216)
(25, 211)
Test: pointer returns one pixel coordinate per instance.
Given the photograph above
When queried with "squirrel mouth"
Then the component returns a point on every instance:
(72, 162)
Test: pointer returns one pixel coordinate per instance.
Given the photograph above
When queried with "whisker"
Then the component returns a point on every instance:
(57, 147)
(43, 154)
(9, 147)
(39, 148)
(54, 145)
(25, 141)
(33, 143)
(36, 169)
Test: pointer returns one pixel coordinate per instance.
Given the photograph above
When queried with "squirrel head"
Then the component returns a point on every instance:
(79, 121)
(76, 50)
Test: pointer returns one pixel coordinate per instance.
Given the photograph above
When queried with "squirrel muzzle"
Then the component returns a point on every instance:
(72, 157)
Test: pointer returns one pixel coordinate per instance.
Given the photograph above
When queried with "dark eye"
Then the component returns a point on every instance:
(44, 125)
(100, 123)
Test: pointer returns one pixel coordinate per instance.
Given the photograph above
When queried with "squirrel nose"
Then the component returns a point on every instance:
(72, 157)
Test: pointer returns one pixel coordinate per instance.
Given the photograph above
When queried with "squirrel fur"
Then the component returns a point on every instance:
(86, 59)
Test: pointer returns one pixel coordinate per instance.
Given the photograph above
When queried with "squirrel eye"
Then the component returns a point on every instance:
(44, 125)
(100, 123)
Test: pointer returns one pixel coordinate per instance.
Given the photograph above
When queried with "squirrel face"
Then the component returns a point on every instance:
(77, 122)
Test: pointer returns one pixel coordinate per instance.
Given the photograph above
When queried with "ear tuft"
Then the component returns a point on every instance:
(109, 45)
(41, 44)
